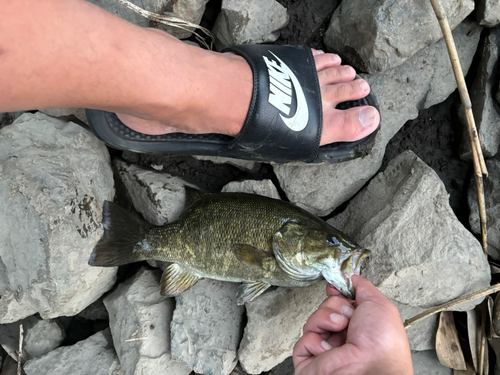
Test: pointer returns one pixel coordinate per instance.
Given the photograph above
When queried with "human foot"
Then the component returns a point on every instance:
(337, 83)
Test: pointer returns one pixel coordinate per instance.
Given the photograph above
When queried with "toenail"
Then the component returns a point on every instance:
(349, 70)
(364, 85)
(367, 116)
(335, 58)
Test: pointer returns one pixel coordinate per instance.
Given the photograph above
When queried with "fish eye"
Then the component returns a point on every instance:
(333, 241)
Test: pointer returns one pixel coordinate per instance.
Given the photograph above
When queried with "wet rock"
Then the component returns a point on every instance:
(54, 178)
(488, 12)
(92, 356)
(377, 36)
(79, 113)
(422, 81)
(206, 327)
(422, 255)
(427, 363)
(249, 22)
(275, 322)
(187, 10)
(492, 203)
(486, 110)
(159, 197)
(264, 187)
(40, 337)
(139, 318)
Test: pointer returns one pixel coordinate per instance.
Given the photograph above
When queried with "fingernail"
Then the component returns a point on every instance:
(325, 345)
(336, 318)
(335, 58)
(367, 116)
(347, 311)
(364, 85)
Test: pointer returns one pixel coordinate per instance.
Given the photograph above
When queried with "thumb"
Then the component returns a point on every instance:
(329, 361)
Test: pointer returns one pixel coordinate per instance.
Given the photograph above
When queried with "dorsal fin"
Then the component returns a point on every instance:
(193, 194)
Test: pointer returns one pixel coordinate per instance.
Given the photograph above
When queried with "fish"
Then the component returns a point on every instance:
(238, 237)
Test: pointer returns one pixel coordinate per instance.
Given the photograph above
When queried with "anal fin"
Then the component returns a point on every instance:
(176, 280)
(249, 290)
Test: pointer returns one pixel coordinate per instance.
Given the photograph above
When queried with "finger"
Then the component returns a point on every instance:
(366, 291)
(337, 339)
(325, 320)
(331, 291)
(310, 345)
(326, 60)
(329, 361)
(336, 74)
(339, 304)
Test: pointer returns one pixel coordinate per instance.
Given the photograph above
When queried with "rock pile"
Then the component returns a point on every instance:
(55, 176)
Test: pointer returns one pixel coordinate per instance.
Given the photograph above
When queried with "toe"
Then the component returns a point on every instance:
(348, 125)
(326, 60)
(336, 74)
(344, 91)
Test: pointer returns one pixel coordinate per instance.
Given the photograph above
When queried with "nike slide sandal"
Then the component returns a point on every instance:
(283, 123)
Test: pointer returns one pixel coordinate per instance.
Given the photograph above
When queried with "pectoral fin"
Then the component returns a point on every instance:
(254, 256)
(249, 290)
(176, 280)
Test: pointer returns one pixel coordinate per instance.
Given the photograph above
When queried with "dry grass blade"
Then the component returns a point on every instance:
(477, 153)
(457, 301)
(20, 352)
(448, 347)
(170, 20)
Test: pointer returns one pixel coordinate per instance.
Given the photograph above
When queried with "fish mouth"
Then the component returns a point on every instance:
(340, 277)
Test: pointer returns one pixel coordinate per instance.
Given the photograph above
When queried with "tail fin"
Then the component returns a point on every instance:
(122, 232)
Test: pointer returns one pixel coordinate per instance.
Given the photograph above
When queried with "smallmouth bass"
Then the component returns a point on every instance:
(236, 237)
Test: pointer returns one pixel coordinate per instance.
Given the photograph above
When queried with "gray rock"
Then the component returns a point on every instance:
(206, 327)
(54, 178)
(93, 356)
(422, 81)
(427, 363)
(486, 110)
(275, 322)
(40, 337)
(187, 10)
(79, 113)
(238, 371)
(96, 311)
(421, 335)
(422, 255)
(488, 12)
(263, 187)
(249, 22)
(159, 197)
(9, 366)
(139, 318)
(492, 203)
(377, 36)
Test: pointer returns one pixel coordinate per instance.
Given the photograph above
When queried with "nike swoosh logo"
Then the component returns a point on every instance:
(299, 120)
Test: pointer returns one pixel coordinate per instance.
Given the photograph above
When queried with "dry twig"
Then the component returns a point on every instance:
(477, 153)
(20, 353)
(457, 301)
(170, 20)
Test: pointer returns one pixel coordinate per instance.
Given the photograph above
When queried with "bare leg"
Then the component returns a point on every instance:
(73, 54)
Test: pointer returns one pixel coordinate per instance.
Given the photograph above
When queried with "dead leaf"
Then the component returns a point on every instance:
(495, 317)
(469, 371)
(448, 347)
(473, 327)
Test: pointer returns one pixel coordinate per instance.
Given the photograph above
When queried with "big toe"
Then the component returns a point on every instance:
(349, 125)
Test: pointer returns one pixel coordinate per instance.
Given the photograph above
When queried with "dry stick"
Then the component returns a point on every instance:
(169, 20)
(457, 301)
(477, 153)
(20, 353)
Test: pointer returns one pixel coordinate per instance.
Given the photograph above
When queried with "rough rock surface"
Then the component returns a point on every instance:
(492, 203)
(187, 10)
(422, 81)
(206, 327)
(422, 255)
(159, 197)
(486, 110)
(248, 22)
(54, 178)
(79, 113)
(427, 363)
(488, 12)
(93, 356)
(284, 368)
(139, 318)
(376, 36)
(263, 187)
(40, 337)
(275, 322)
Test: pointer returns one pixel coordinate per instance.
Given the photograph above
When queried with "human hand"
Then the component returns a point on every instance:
(365, 336)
